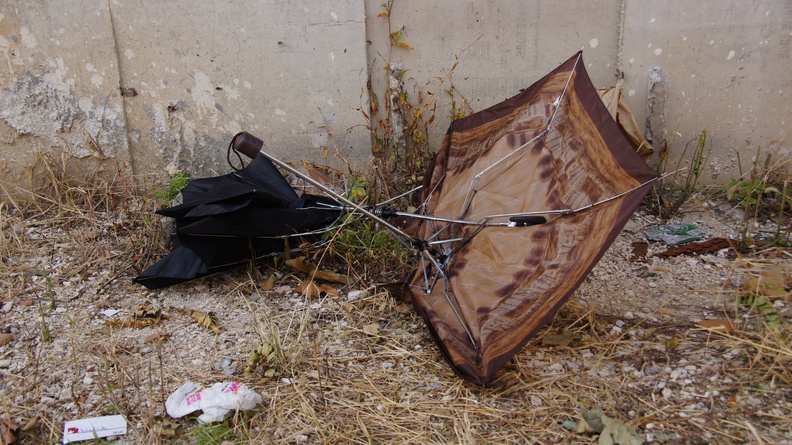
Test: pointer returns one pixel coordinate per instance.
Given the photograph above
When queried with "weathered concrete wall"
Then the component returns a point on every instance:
(164, 85)
(286, 71)
(194, 73)
(501, 46)
(717, 65)
(58, 83)
(724, 67)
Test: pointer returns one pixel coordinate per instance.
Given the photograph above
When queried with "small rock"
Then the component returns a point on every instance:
(555, 367)
(651, 370)
(356, 295)
(604, 373)
(227, 367)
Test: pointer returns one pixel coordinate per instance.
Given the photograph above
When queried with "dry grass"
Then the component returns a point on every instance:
(337, 382)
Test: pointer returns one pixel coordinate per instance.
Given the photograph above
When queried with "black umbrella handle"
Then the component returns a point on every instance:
(247, 144)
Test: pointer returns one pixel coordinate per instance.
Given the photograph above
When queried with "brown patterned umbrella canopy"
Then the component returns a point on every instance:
(485, 286)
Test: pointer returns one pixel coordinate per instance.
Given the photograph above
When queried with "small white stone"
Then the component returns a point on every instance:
(356, 295)
(555, 367)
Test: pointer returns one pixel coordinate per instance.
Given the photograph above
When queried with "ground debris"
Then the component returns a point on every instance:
(670, 348)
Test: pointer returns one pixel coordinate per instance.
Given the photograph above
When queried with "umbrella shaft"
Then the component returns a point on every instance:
(395, 230)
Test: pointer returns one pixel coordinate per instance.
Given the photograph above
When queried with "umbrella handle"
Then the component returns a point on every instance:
(252, 146)
(247, 144)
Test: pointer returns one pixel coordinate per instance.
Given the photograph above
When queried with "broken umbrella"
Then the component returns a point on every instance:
(520, 203)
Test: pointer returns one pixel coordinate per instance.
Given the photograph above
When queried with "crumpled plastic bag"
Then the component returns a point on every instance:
(216, 401)
(675, 233)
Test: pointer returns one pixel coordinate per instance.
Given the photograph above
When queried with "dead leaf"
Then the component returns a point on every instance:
(439, 411)
(310, 289)
(333, 277)
(617, 432)
(639, 250)
(8, 431)
(148, 313)
(719, 325)
(31, 423)
(5, 339)
(304, 265)
(267, 284)
(672, 342)
(561, 339)
(266, 353)
(770, 283)
(157, 337)
(206, 319)
(137, 323)
(301, 264)
(611, 431)
(329, 290)
(371, 329)
(591, 421)
(169, 428)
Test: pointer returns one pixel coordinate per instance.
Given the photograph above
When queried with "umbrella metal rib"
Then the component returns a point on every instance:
(475, 185)
(335, 195)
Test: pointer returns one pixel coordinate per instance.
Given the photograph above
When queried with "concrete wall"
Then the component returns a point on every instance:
(163, 85)
(721, 66)
(725, 67)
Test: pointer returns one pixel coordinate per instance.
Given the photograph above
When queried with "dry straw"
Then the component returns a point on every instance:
(360, 372)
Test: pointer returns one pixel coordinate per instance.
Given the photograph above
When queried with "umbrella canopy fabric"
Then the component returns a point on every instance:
(549, 180)
(227, 220)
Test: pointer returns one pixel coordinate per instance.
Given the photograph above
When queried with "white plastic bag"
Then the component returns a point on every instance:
(216, 401)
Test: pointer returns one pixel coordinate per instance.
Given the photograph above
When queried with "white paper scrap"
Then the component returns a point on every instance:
(91, 428)
(109, 312)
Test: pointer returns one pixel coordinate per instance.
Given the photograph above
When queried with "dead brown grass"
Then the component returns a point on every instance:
(337, 380)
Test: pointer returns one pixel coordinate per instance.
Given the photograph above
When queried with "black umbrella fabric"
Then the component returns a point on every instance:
(228, 220)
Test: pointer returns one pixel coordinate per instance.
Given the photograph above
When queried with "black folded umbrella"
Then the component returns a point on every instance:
(228, 220)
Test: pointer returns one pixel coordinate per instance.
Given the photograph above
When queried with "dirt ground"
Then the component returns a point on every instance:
(360, 366)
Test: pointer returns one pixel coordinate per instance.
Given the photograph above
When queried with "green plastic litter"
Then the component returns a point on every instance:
(675, 233)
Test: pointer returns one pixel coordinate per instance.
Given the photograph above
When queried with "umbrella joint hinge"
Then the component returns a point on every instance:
(385, 213)
(442, 258)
